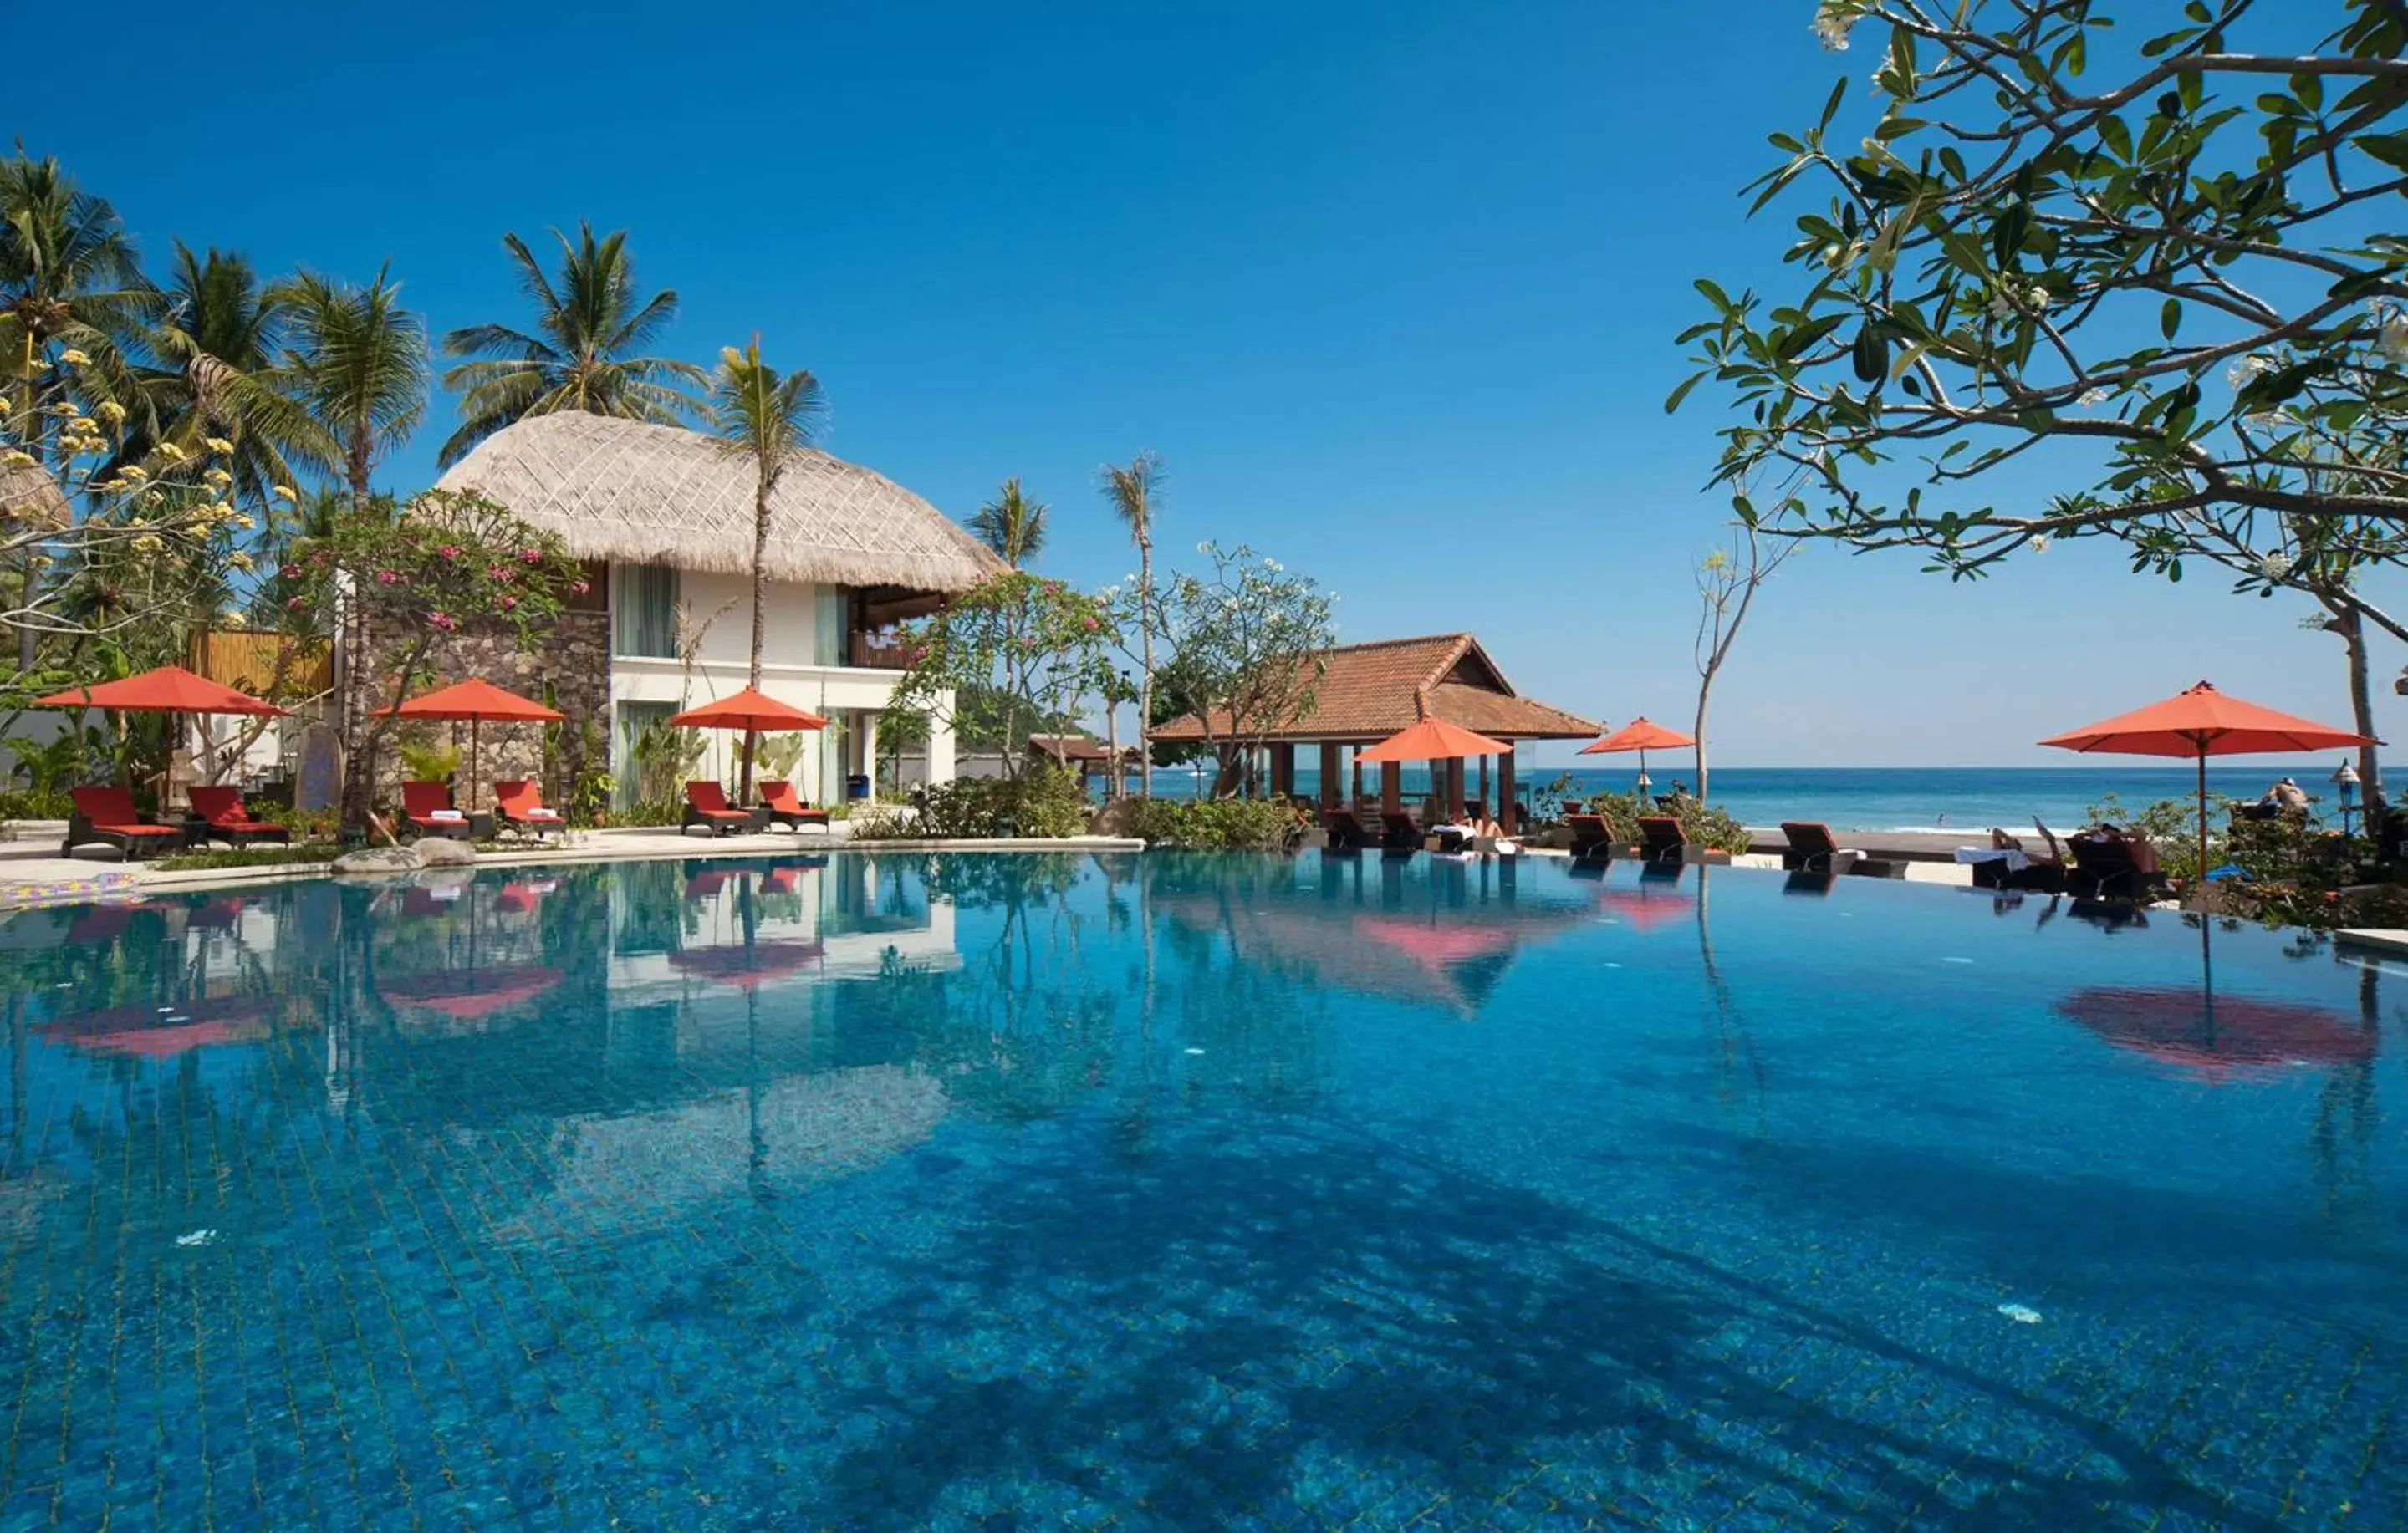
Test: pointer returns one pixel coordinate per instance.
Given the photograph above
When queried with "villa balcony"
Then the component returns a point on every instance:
(881, 652)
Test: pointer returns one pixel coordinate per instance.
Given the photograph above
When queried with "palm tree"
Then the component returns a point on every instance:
(222, 340)
(356, 366)
(69, 279)
(1011, 525)
(1131, 492)
(577, 359)
(769, 419)
(70, 282)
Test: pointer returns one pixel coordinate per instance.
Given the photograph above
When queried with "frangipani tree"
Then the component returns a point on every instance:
(1247, 640)
(2153, 286)
(401, 586)
(1014, 654)
(113, 549)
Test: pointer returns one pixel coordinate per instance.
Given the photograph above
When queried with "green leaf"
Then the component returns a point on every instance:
(1683, 392)
(2389, 148)
(2116, 136)
(2169, 318)
(1713, 293)
(1795, 343)
(1831, 106)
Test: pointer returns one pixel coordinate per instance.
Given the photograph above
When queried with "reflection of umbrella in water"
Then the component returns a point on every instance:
(1646, 905)
(748, 965)
(2217, 1037)
(144, 1032)
(470, 994)
(1462, 962)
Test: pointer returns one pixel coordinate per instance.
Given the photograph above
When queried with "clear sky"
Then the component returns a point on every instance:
(1391, 288)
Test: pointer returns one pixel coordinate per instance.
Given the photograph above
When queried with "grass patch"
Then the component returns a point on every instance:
(249, 856)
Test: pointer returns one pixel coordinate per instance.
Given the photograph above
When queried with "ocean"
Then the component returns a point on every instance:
(1905, 798)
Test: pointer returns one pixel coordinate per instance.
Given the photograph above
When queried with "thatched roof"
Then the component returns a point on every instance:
(642, 494)
(1368, 692)
(29, 494)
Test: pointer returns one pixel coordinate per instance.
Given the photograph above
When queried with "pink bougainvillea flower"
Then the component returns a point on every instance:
(291, 572)
(450, 551)
(529, 556)
(440, 619)
(578, 588)
(509, 602)
(296, 604)
(386, 577)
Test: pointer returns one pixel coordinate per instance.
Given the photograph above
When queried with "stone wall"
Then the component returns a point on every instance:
(573, 655)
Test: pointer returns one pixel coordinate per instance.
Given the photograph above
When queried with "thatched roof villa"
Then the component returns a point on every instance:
(664, 517)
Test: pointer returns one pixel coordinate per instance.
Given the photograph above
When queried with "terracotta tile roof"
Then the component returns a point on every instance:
(1071, 748)
(1368, 692)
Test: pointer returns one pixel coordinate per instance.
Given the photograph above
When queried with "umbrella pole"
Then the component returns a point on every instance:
(474, 726)
(744, 788)
(2202, 816)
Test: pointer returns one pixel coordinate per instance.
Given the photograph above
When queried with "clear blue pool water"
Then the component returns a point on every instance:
(1164, 1192)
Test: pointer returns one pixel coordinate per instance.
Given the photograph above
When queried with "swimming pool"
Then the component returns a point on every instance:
(1047, 1191)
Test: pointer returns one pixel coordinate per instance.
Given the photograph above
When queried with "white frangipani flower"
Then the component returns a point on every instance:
(1831, 27)
(2092, 397)
(2040, 542)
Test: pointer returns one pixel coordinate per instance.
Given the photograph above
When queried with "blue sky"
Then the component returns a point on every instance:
(1391, 288)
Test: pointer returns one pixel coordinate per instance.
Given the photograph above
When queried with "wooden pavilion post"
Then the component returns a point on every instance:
(1330, 780)
(1392, 786)
(1355, 755)
(1508, 811)
(1455, 788)
(1283, 769)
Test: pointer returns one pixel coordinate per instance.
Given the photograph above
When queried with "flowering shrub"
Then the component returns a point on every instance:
(448, 559)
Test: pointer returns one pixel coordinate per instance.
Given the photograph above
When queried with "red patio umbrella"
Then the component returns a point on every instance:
(752, 710)
(2204, 722)
(1640, 736)
(475, 700)
(1433, 740)
(167, 688)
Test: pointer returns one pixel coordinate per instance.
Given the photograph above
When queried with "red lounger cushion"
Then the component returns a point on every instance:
(710, 799)
(112, 810)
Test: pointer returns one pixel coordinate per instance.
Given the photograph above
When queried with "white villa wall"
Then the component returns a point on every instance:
(792, 671)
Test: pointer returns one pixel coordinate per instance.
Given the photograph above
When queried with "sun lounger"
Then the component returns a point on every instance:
(1812, 850)
(2111, 866)
(519, 806)
(1804, 882)
(1398, 832)
(225, 818)
(427, 809)
(786, 808)
(1663, 840)
(706, 805)
(1593, 838)
(1344, 828)
(107, 817)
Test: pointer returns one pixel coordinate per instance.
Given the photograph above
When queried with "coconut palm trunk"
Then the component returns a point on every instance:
(1145, 685)
(769, 419)
(760, 619)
